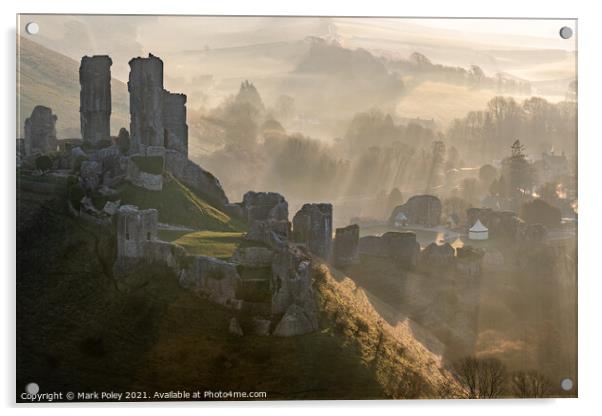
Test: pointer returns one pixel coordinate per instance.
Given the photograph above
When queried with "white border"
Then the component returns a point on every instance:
(590, 150)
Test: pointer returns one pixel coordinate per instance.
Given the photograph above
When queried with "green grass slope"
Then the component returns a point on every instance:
(178, 205)
(46, 77)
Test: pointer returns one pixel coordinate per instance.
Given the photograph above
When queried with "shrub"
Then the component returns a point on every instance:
(539, 211)
(43, 163)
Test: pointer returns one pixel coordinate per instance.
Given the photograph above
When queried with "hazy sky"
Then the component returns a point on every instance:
(126, 36)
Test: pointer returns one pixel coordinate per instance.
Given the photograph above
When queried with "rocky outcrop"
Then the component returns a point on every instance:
(40, 131)
(345, 248)
(95, 98)
(292, 296)
(296, 321)
(400, 247)
(422, 210)
(312, 226)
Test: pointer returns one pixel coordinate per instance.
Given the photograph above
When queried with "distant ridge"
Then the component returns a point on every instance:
(49, 78)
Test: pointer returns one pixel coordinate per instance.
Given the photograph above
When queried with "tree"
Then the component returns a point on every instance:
(43, 163)
(518, 170)
(530, 384)
(395, 198)
(539, 211)
(487, 174)
(481, 378)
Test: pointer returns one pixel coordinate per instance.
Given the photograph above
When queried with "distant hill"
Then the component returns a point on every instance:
(49, 78)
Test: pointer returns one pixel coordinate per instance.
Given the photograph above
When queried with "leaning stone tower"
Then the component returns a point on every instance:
(95, 98)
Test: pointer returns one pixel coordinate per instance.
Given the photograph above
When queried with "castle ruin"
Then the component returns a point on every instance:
(95, 98)
(40, 131)
(312, 226)
(158, 117)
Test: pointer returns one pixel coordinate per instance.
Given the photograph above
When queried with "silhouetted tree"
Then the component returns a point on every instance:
(43, 163)
(539, 211)
(481, 378)
(530, 384)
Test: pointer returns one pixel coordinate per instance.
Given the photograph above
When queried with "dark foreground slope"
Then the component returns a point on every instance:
(80, 330)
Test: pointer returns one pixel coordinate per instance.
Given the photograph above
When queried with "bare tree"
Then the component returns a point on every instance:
(530, 384)
(481, 378)
(492, 378)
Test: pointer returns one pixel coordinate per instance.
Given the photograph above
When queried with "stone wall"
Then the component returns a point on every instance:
(40, 131)
(267, 216)
(134, 228)
(345, 247)
(174, 122)
(312, 226)
(216, 279)
(400, 247)
(95, 98)
(422, 210)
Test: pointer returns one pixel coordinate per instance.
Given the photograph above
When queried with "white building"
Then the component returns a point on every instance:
(478, 232)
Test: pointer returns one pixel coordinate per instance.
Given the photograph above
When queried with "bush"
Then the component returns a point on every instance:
(43, 163)
(539, 211)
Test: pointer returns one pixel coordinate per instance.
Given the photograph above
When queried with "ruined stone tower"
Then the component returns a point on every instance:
(135, 229)
(146, 103)
(95, 98)
(312, 226)
(40, 131)
(158, 117)
(174, 122)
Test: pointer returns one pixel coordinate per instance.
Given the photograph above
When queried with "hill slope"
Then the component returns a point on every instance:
(45, 77)
(79, 329)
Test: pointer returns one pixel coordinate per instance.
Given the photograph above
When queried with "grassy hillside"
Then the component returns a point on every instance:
(79, 329)
(210, 243)
(178, 205)
(45, 77)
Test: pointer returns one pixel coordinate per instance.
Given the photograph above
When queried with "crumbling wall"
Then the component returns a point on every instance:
(134, 228)
(345, 248)
(312, 226)
(400, 247)
(40, 131)
(215, 279)
(95, 98)
(267, 216)
(175, 135)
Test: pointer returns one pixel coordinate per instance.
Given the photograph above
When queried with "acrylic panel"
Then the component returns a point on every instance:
(295, 208)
